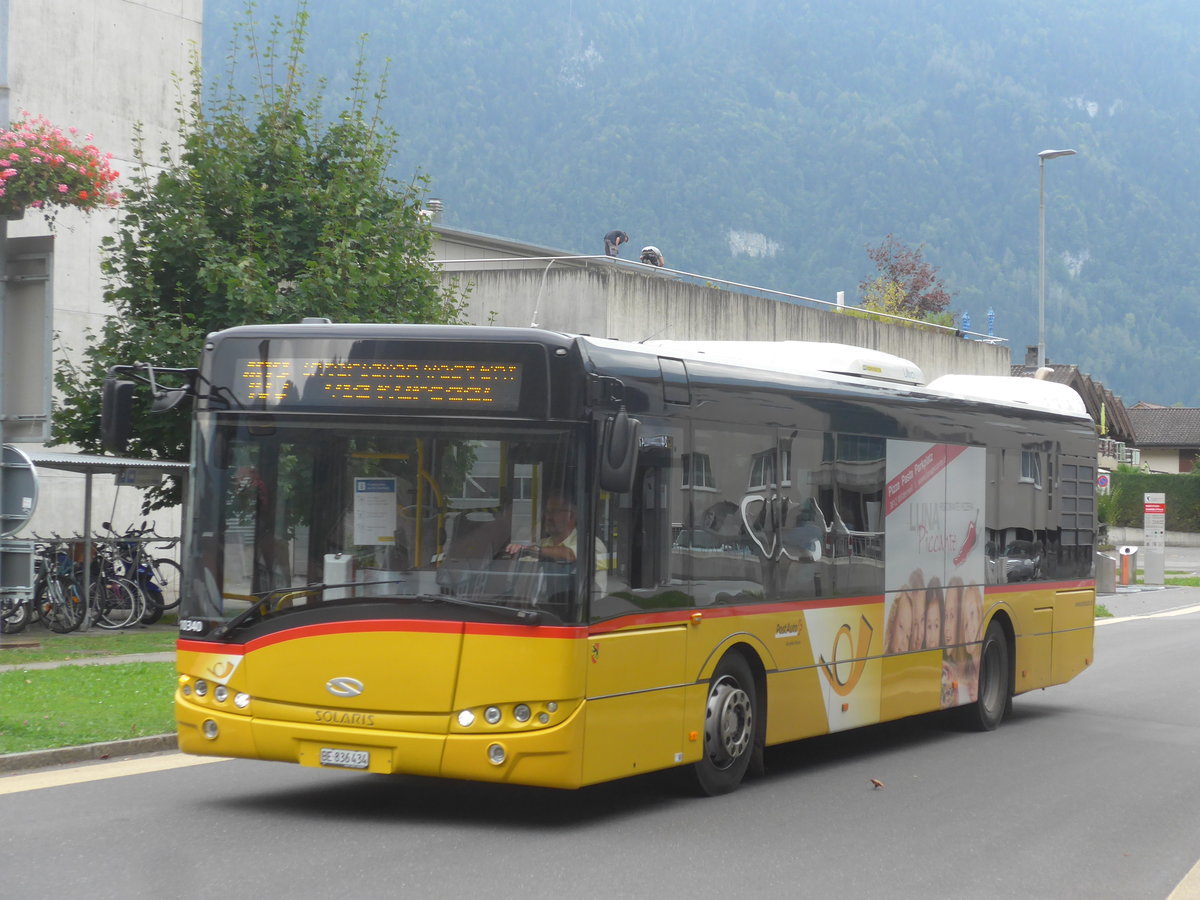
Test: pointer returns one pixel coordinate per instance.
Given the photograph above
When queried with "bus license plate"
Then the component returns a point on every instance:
(345, 759)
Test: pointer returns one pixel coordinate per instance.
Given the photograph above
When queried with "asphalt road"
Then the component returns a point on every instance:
(1088, 790)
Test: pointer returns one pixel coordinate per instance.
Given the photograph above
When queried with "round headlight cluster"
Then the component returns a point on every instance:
(220, 693)
(518, 713)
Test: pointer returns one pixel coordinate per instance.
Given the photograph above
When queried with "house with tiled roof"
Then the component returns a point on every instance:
(1113, 423)
(1168, 436)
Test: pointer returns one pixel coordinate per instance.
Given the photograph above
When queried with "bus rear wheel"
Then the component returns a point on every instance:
(730, 717)
(994, 696)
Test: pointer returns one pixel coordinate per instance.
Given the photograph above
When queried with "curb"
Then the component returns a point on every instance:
(40, 759)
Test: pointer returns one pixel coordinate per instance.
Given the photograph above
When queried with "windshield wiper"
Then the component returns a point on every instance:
(265, 598)
(532, 616)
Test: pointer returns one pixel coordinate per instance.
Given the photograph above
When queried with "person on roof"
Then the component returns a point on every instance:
(613, 241)
(652, 256)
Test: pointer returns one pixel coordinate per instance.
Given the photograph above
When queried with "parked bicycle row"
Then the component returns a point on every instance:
(126, 583)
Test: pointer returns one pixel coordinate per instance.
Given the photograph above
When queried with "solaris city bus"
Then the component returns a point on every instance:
(519, 556)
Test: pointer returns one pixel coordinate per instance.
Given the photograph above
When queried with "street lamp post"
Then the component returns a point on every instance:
(1042, 157)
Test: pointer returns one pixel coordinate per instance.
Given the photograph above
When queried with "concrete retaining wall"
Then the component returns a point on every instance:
(612, 298)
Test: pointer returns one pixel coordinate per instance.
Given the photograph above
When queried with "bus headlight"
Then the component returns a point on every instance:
(201, 687)
(521, 712)
(491, 715)
(496, 754)
(466, 718)
(210, 729)
(221, 693)
(241, 699)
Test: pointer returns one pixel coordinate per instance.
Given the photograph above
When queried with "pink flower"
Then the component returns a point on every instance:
(62, 188)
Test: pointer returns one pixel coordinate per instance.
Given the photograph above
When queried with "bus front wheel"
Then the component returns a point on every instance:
(730, 716)
(994, 696)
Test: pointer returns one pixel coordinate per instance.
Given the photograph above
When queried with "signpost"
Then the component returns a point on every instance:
(1154, 511)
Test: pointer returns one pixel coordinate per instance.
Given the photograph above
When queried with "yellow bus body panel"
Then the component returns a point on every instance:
(636, 693)
(624, 698)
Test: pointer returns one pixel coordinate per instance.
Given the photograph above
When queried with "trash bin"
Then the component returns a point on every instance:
(1127, 571)
(1106, 573)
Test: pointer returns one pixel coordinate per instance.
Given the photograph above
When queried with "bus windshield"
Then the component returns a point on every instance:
(404, 517)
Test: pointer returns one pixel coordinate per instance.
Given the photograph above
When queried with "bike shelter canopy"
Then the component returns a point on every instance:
(90, 465)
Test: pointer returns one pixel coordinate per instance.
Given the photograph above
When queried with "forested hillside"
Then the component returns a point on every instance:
(770, 141)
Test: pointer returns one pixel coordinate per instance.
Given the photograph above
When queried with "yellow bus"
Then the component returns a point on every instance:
(518, 556)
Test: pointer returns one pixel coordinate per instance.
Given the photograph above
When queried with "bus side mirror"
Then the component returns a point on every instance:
(618, 453)
(116, 412)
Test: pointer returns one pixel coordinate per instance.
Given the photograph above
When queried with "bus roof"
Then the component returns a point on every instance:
(1009, 391)
(798, 358)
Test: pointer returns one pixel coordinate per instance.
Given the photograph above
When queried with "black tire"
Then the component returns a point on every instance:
(151, 603)
(730, 727)
(167, 574)
(993, 698)
(17, 615)
(62, 608)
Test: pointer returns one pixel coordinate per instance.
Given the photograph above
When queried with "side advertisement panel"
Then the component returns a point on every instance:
(934, 515)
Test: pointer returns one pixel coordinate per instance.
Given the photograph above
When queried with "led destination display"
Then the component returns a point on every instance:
(379, 383)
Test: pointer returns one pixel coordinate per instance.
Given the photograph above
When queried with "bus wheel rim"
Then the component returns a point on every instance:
(729, 723)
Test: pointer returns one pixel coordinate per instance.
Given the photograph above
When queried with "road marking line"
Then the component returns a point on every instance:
(35, 781)
(1181, 611)
(1189, 888)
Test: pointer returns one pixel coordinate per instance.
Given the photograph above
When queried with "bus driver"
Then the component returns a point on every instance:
(560, 539)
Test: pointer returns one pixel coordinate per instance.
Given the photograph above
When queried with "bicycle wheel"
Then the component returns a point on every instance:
(152, 598)
(16, 614)
(168, 576)
(61, 609)
(117, 603)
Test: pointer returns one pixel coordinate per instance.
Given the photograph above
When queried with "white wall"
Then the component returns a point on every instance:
(101, 66)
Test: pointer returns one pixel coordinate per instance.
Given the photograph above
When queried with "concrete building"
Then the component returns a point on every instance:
(517, 284)
(102, 67)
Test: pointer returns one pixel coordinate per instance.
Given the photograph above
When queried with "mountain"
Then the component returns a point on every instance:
(770, 142)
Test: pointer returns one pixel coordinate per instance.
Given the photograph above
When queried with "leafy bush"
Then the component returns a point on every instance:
(1125, 503)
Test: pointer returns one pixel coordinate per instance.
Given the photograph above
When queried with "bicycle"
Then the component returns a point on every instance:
(156, 579)
(115, 599)
(57, 600)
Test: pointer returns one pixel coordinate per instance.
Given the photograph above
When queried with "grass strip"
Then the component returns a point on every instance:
(94, 644)
(72, 705)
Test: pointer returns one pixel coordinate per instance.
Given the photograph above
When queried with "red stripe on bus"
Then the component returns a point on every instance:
(368, 626)
(538, 631)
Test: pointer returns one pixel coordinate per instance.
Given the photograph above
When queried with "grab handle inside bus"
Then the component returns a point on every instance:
(618, 453)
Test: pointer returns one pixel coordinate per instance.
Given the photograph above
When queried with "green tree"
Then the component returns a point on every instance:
(268, 212)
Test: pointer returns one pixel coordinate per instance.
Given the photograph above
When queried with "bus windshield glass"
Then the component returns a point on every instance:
(385, 517)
